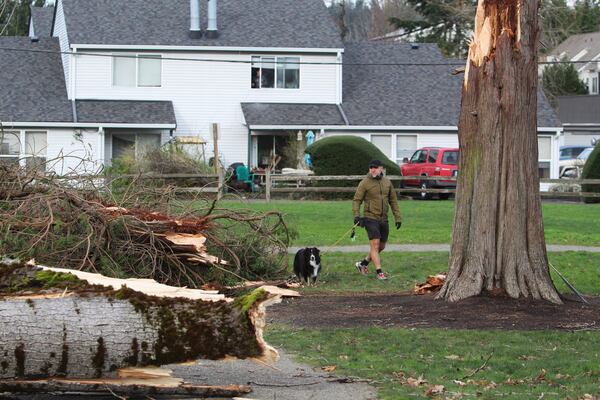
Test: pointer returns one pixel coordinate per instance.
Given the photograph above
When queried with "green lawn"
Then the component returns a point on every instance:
(522, 365)
(405, 269)
(321, 223)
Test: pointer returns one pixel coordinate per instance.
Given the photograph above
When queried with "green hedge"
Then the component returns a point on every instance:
(347, 155)
(591, 170)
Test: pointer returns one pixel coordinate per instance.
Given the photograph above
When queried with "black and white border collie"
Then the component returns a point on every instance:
(307, 264)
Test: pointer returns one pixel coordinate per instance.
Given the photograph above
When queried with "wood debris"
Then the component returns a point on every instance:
(433, 284)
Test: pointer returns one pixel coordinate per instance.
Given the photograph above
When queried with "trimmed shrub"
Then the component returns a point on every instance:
(347, 155)
(591, 170)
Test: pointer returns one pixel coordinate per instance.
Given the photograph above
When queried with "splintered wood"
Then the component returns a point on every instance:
(183, 235)
(433, 284)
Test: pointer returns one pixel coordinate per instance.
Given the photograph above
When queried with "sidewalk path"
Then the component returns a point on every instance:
(424, 248)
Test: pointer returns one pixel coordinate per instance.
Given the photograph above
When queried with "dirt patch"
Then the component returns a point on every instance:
(410, 311)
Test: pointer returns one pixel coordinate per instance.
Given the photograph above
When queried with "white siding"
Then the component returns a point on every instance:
(437, 140)
(207, 92)
(73, 150)
(580, 139)
(60, 31)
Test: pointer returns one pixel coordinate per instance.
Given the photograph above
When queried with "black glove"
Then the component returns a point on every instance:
(357, 221)
(398, 225)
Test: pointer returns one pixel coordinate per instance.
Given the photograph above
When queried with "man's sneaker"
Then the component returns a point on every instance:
(382, 276)
(363, 269)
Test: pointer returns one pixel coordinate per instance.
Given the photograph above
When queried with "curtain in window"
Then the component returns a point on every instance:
(35, 146)
(288, 72)
(149, 70)
(123, 71)
(383, 143)
(405, 146)
(544, 148)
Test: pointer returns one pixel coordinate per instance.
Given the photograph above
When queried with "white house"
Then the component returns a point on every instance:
(121, 73)
(584, 50)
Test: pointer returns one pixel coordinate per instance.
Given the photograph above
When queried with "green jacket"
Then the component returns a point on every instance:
(376, 193)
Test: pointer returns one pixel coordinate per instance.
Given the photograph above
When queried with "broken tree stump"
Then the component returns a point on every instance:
(57, 325)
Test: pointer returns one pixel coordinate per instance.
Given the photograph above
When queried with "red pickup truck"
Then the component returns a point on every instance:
(431, 161)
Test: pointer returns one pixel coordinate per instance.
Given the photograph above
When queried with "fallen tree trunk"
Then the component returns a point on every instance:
(118, 388)
(56, 325)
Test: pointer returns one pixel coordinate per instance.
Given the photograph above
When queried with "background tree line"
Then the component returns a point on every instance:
(14, 16)
(449, 23)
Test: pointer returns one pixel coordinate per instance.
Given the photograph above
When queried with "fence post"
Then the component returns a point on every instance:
(268, 185)
(221, 183)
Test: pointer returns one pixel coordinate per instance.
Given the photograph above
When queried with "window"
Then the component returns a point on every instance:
(35, 149)
(544, 155)
(383, 143)
(145, 70)
(123, 71)
(450, 158)
(149, 70)
(594, 88)
(433, 155)
(10, 147)
(32, 153)
(545, 148)
(405, 146)
(275, 72)
(419, 157)
(288, 72)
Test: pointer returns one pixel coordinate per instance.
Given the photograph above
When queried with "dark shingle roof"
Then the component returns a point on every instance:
(399, 95)
(125, 112)
(407, 95)
(245, 23)
(32, 84)
(291, 114)
(579, 109)
(42, 17)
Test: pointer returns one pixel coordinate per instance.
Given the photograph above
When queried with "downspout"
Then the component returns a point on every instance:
(339, 75)
(249, 146)
(73, 73)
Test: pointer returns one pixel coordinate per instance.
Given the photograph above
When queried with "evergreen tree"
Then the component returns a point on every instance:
(562, 80)
(14, 16)
(587, 16)
(448, 23)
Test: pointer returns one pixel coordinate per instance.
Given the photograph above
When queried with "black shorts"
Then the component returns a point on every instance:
(377, 229)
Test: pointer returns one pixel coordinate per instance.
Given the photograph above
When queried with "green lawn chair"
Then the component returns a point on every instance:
(244, 175)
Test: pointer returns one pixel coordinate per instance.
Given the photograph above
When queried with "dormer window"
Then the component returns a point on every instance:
(275, 72)
(141, 70)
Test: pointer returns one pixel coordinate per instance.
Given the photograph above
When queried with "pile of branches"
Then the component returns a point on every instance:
(139, 231)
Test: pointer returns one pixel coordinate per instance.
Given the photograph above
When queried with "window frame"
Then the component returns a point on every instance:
(23, 155)
(276, 63)
(136, 84)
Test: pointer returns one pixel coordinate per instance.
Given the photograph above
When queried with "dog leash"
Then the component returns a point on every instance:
(350, 231)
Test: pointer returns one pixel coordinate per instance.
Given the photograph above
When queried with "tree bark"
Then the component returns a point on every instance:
(121, 389)
(94, 331)
(498, 235)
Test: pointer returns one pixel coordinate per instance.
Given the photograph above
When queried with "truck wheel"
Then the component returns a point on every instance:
(424, 195)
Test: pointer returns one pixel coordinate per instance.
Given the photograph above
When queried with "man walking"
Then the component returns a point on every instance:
(377, 194)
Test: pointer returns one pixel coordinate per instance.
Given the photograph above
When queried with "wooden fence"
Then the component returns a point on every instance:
(275, 183)
(301, 184)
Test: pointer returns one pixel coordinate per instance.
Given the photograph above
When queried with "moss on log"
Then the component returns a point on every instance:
(55, 325)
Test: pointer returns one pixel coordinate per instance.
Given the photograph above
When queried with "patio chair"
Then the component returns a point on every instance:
(244, 175)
